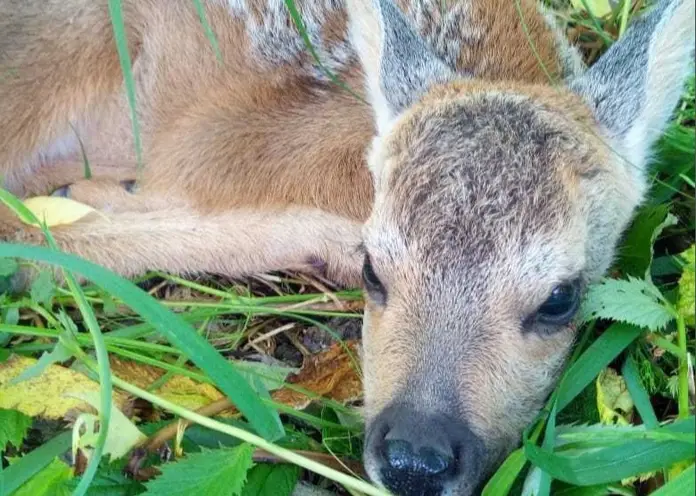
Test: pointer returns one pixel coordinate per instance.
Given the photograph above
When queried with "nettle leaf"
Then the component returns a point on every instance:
(8, 266)
(42, 288)
(220, 472)
(13, 427)
(272, 480)
(687, 288)
(633, 301)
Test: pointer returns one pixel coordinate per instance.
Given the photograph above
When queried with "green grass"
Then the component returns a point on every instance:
(203, 329)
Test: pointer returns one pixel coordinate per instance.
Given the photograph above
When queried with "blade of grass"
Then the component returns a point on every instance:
(616, 462)
(684, 483)
(116, 13)
(208, 29)
(105, 386)
(600, 353)
(638, 393)
(179, 333)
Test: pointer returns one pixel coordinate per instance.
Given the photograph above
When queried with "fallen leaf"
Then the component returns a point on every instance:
(598, 8)
(179, 389)
(331, 374)
(44, 395)
(56, 210)
(614, 402)
(123, 434)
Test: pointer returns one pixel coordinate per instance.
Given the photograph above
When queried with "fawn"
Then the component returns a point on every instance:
(476, 182)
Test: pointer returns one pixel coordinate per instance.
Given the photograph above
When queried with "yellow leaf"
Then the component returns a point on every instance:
(178, 389)
(614, 402)
(598, 8)
(55, 210)
(44, 395)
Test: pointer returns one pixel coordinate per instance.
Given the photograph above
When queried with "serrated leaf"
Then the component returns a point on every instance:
(221, 472)
(687, 288)
(42, 288)
(109, 481)
(633, 301)
(47, 482)
(272, 480)
(13, 427)
(8, 266)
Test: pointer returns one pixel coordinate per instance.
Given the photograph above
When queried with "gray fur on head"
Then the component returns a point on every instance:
(635, 86)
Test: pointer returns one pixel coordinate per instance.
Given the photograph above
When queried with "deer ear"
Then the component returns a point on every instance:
(635, 86)
(399, 67)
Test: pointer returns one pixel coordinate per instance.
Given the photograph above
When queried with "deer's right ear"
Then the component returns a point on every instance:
(399, 67)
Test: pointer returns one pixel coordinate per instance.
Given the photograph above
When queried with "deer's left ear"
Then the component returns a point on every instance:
(634, 87)
(398, 65)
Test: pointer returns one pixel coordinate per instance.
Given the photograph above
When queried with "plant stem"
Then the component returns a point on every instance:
(248, 437)
(683, 392)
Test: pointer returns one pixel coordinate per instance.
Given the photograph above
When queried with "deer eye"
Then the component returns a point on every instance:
(561, 306)
(373, 285)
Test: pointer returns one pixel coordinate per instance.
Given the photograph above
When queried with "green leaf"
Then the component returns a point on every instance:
(640, 396)
(684, 483)
(272, 480)
(48, 482)
(110, 481)
(264, 419)
(221, 472)
(597, 356)
(617, 461)
(8, 266)
(636, 252)
(505, 476)
(32, 463)
(687, 288)
(42, 288)
(59, 354)
(633, 301)
(13, 427)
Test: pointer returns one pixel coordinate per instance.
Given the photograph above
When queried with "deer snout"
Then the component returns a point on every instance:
(413, 453)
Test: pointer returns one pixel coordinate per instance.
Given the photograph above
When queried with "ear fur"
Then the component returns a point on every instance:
(399, 67)
(635, 86)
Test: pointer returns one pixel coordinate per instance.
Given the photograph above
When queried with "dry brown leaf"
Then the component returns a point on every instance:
(331, 374)
(45, 395)
(178, 389)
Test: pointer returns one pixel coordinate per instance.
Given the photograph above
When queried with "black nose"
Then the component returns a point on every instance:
(418, 454)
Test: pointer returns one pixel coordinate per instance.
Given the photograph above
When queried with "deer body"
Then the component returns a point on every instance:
(465, 187)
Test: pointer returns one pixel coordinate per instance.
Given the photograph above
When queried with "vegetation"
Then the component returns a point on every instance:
(246, 388)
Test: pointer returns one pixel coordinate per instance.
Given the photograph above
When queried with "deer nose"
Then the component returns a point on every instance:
(418, 454)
